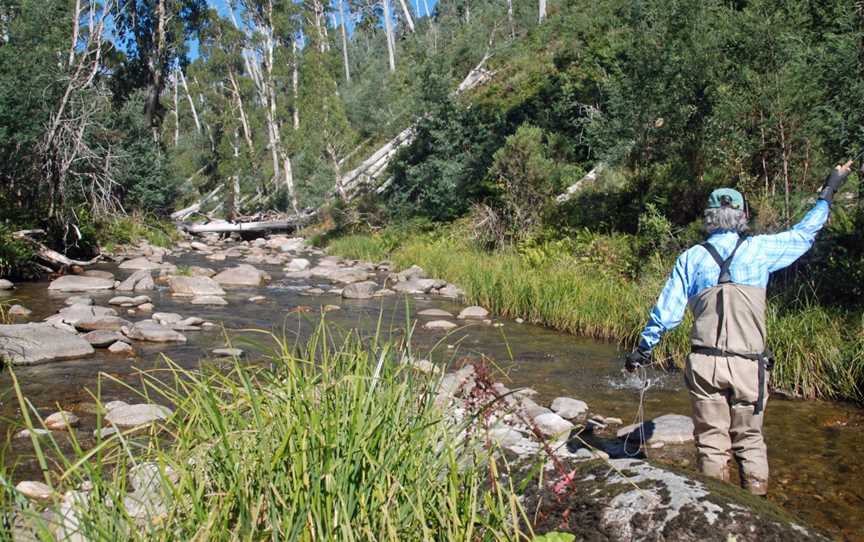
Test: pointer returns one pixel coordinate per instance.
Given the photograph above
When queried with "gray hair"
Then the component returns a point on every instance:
(725, 219)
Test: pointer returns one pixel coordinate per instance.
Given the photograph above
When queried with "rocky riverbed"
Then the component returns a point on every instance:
(116, 318)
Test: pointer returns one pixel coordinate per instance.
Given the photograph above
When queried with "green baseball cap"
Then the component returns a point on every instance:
(726, 197)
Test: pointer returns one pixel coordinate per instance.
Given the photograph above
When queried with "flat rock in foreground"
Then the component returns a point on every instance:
(24, 344)
(195, 286)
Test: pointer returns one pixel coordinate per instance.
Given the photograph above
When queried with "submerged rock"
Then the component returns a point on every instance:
(104, 323)
(437, 313)
(78, 283)
(227, 352)
(133, 415)
(103, 338)
(19, 310)
(213, 300)
(61, 421)
(475, 312)
(440, 325)
(23, 344)
(153, 332)
(121, 347)
(668, 429)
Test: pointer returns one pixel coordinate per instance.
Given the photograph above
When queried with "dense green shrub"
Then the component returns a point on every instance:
(16, 257)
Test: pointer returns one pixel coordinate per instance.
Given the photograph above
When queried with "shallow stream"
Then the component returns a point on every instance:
(815, 447)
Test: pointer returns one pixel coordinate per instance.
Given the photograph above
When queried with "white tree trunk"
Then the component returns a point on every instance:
(344, 41)
(76, 28)
(542, 11)
(289, 182)
(176, 114)
(391, 40)
(247, 132)
(510, 18)
(407, 12)
(295, 84)
(191, 102)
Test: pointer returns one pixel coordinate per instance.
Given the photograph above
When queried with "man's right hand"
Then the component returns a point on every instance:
(637, 358)
(834, 181)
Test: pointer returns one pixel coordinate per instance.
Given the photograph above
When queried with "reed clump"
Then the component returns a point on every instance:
(334, 441)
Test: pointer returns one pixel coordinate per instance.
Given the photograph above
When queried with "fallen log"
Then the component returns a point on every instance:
(182, 214)
(267, 225)
(49, 256)
(589, 177)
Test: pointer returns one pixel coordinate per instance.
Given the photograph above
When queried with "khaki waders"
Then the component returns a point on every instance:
(727, 380)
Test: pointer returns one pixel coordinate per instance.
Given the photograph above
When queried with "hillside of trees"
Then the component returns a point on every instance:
(141, 107)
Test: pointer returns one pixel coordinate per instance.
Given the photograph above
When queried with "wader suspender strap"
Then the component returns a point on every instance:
(726, 278)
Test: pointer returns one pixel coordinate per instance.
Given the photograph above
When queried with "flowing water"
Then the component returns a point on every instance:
(814, 447)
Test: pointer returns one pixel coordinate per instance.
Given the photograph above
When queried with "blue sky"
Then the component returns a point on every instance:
(417, 7)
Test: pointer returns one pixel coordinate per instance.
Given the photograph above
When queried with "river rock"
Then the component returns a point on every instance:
(166, 318)
(384, 292)
(78, 283)
(199, 246)
(78, 300)
(145, 307)
(212, 300)
(139, 281)
(412, 287)
(103, 338)
(359, 290)
(435, 313)
(111, 405)
(552, 425)
(152, 332)
(23, 344)
(98, 273)
(439, 325)
(198, 271)
(451, 292)
(79, 313)
(61, 421)
(475, 313)
(36, 491)
(413, 273)
(569, 408)
(19, 310)
(150, 477)
(134, 415)
(121, 347)
(28, 433)
(349, 275)
(104, 323)
(227, 352)
(257, 299)
(126, 301)
(242, 275)
(139, 263)
(194, 286)
(6, 285)
(668, 429)
(298, 264)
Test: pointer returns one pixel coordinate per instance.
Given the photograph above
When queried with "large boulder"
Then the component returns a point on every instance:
(242, 275)
(152, 332)
(359, 290)
(139, 263)
(78, 283)
(194, 286)
(569, 408)
(139, 281)
(298, 264)
(24, 344)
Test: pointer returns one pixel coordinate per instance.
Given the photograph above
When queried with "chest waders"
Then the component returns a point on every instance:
(729, 321)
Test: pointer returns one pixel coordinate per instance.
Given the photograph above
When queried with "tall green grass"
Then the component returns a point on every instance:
(820, 351)
(336, 442)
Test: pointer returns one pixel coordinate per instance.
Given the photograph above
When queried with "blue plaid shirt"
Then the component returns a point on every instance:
(756, 258)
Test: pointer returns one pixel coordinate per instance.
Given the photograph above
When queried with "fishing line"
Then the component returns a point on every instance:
(639, 418)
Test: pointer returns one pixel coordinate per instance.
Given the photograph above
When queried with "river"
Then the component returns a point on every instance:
(814, 446)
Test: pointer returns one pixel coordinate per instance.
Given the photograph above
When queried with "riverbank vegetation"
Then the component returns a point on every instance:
(335, 440)
(587, 285)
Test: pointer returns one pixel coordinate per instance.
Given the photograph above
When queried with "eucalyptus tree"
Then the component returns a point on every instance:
(154, 35)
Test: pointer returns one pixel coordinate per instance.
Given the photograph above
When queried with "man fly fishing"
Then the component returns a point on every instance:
(723, 281)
